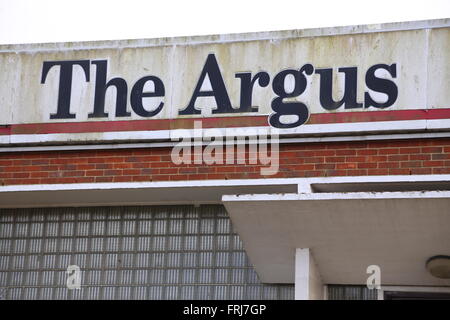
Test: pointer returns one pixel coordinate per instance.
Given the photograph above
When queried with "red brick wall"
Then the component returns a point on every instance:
(400, 157)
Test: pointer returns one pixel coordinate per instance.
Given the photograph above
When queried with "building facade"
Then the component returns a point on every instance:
(306, 164)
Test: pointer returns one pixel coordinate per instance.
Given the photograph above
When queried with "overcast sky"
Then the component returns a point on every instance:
(27, 21)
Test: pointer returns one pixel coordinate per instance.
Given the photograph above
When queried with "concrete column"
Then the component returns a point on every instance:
(308, 284)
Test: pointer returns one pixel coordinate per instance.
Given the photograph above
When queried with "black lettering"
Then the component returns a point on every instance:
(137, 94)
(326, 89)
(219, 91)
(281, 108)
(247, 83)
(381, 85)
(100, 92)
(65, 84)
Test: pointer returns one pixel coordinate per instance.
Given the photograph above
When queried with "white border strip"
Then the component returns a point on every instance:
(304, 184)
(330, 129)
(337, 196)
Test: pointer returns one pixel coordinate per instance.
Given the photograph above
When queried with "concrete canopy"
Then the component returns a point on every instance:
(346, 233)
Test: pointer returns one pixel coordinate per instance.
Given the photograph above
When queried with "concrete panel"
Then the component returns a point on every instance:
(438, 68)
(25, 100)
(347, 232)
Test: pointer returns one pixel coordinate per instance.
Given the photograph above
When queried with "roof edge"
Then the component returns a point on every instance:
(232, 37)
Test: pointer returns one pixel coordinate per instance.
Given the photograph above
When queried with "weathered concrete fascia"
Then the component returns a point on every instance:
(233, 37)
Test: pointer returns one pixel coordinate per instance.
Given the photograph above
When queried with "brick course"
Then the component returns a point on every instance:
(397, 157)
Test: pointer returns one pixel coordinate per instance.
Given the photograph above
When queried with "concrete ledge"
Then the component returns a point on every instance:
(199, 191)
(139, 193)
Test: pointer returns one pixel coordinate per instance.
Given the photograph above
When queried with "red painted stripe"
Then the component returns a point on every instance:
(218, 122)
(369, 116)
(136, 125)
(5, 130)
